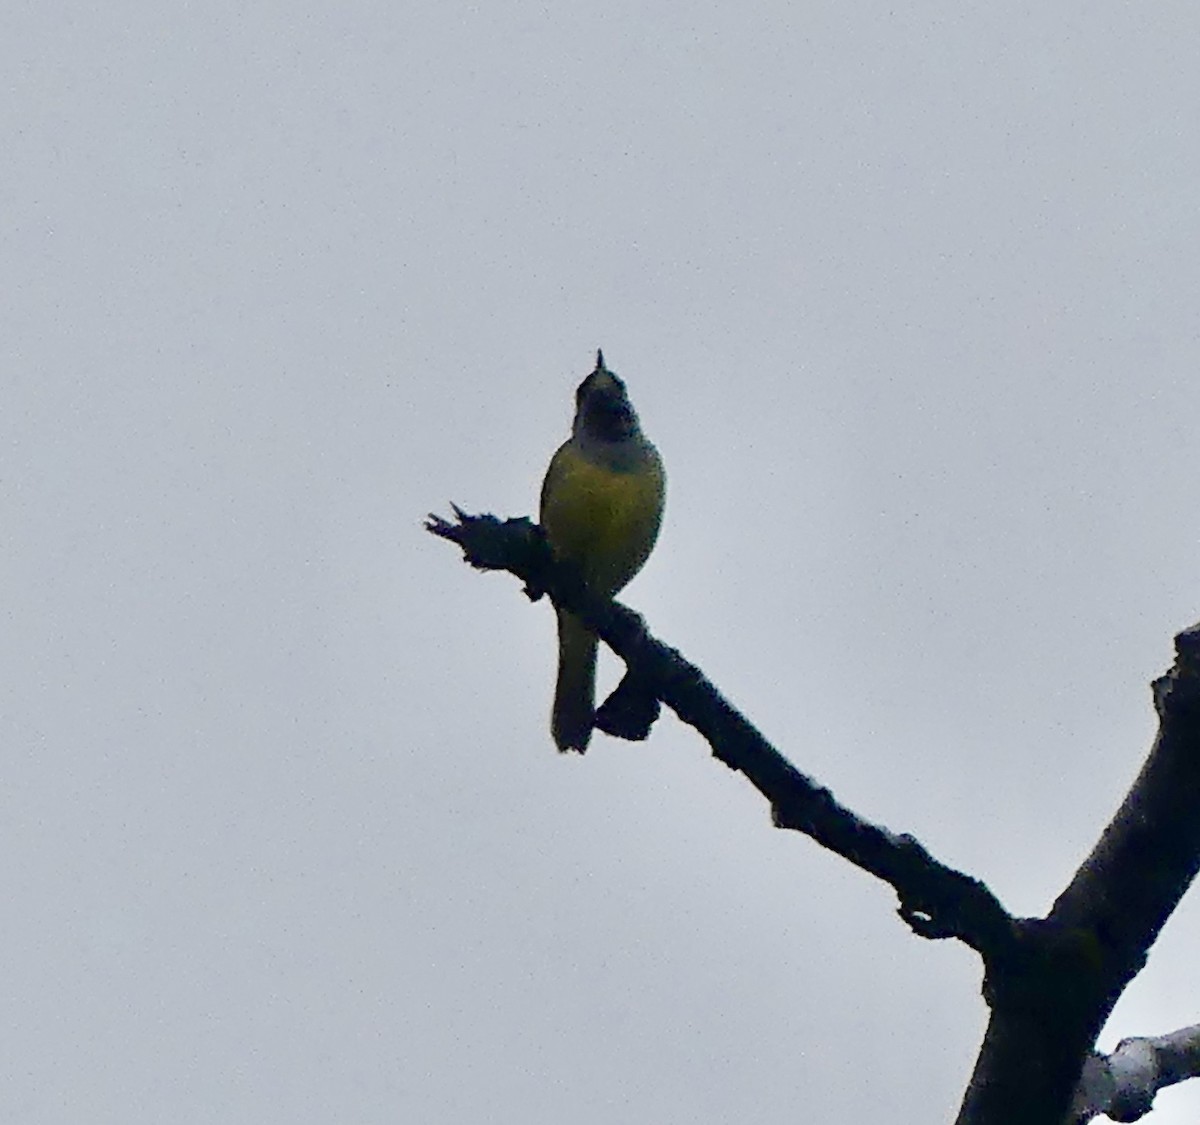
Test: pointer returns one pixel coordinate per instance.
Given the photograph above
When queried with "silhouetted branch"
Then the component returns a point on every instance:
(1050, 982)
(1051, 1001)
(935, 900)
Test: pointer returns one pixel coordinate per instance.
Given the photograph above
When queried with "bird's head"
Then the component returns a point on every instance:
(602, 407)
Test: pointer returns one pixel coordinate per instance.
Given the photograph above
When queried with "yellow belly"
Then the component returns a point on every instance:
(605, 520)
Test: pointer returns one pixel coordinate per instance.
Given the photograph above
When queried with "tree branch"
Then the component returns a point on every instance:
(1122, 1085)
(935, 900)
(1051, 1001)
(1051, 982)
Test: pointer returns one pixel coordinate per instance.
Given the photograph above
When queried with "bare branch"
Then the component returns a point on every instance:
(1049, 1003)
(1050, 983)
(1122, 1085)
(935, 900)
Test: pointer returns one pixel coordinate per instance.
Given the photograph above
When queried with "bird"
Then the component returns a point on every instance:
(601, 510)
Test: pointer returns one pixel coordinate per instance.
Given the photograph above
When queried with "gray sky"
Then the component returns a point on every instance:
(909, 300)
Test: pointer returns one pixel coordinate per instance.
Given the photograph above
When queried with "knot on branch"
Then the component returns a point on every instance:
(1177, 692)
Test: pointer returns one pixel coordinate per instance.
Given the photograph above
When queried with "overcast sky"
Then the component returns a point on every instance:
(909, 298)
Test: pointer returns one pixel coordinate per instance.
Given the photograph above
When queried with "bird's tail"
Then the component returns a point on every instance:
(575, 692)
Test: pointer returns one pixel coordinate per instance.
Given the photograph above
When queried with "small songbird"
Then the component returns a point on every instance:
(602, 505)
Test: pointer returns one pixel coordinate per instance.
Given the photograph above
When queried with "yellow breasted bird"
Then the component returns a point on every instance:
(602, 505)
